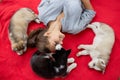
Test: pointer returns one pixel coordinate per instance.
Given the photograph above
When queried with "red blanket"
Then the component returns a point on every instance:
(14, 67)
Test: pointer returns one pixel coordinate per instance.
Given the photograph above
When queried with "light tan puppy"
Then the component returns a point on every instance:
(102, 45)
(18, 29)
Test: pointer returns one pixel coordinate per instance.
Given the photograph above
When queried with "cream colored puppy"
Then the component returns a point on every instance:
(18, 29)
(102, 46)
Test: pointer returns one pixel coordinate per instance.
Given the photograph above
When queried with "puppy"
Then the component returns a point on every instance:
(51, 65)
(102, 46)
(18, 29)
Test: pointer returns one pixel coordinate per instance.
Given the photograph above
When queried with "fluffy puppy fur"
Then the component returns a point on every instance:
(102, 46)
(37, 39)
(51, 65)
(18, 29)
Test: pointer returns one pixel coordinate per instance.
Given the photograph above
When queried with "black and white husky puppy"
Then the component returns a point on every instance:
(51, 65)
(18, 29)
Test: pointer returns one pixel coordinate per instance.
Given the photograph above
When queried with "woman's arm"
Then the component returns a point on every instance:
(56, 24)
(54, 30)
(87, 4)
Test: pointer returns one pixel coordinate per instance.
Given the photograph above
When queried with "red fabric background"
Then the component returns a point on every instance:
(14, 67)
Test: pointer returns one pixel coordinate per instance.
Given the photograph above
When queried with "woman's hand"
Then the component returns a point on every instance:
(54, 34)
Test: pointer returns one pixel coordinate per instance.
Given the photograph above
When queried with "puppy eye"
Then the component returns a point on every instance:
(96, 26)
(102, 62)
(94, 64)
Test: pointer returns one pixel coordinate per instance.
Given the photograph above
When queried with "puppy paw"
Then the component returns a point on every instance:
(19, 47)
(78, 54)
(37, 20)
(83, 52)
(74, 65)
(70, 60)
(71, 67)
(81, 46)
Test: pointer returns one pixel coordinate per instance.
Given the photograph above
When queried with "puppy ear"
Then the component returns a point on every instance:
(32, 37)
(69, 51)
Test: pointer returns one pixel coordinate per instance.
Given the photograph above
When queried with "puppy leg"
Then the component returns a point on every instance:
(12, 41)
(71, 67)
(84, 52)
(70, 60)
(13, 44)
(87, 47)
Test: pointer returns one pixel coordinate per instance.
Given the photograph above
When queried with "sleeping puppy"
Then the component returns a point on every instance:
(102, 46)
(52, 65)
(18, 29)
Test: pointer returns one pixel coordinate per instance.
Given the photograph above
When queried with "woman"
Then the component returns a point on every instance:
(66, 16)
